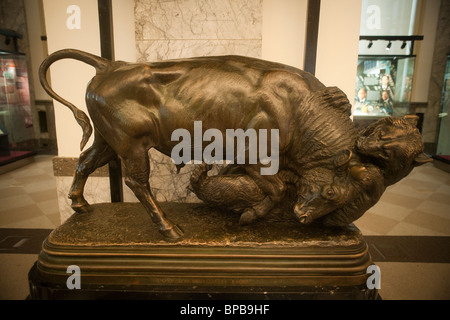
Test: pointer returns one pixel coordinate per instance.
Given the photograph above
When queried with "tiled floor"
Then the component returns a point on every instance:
(419, 205)
(28, 196)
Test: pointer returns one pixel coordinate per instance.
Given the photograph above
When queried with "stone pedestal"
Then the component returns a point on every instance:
(120, 254)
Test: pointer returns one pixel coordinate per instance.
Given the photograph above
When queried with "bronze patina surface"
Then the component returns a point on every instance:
(118, 251)
(122, 224)
(337, 173)
(116, 242)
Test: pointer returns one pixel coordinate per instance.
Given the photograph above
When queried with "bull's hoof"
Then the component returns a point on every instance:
(305, 219)
(82, 208)
(173, 233)
(247, 217)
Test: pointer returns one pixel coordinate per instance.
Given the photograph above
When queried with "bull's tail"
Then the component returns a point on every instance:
(100, 64)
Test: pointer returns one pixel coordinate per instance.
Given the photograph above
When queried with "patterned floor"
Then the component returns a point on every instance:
(419, 205)
(28, 196)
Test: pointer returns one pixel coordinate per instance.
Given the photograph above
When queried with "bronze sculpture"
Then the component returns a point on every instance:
(337, 174)
(384, 153)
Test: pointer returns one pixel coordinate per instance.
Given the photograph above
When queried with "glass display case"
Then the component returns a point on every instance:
(443, 143)
(16, 123)
(383, 86)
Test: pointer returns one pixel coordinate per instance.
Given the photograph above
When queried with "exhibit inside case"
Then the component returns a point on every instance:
(15, 106)
(16, 123)
(443, 145)
(383, 86)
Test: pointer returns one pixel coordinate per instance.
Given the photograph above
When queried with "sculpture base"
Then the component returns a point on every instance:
(121, 255)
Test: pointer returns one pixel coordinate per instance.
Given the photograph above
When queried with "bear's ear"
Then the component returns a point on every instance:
(341, 161)
(421, 159)
(412, 118)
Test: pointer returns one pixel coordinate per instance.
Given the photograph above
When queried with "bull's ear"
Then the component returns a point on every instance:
(394, 145)
(412, 118)
(421, 159)
(343, 158)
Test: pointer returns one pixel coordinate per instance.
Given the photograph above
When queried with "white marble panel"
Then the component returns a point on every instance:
(198, 19)
(95, 191)
(165, 183)
(189, 28)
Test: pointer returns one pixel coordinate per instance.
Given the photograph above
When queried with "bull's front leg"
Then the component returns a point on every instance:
(272, 186)
(137, 168)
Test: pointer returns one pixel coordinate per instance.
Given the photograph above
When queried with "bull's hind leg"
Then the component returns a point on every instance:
(137, 166)
(99, 154)
(272, 186)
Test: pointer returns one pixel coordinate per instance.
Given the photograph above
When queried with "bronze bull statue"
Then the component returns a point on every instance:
(386, 152)
(136, 107)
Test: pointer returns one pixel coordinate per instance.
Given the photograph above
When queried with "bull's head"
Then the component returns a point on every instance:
(324, 190)
(393, 144)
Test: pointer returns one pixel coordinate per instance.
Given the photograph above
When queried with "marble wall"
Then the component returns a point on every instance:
(188, 28)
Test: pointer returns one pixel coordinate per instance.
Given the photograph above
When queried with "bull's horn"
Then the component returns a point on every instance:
(392, 145)
(358, 172)
(421, 159)
(412, 118)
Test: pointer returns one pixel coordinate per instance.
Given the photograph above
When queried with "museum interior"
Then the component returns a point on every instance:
(389, 57)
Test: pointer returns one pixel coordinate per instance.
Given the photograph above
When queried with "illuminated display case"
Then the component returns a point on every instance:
(383, 86)
(15, 107)
(443, 143)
